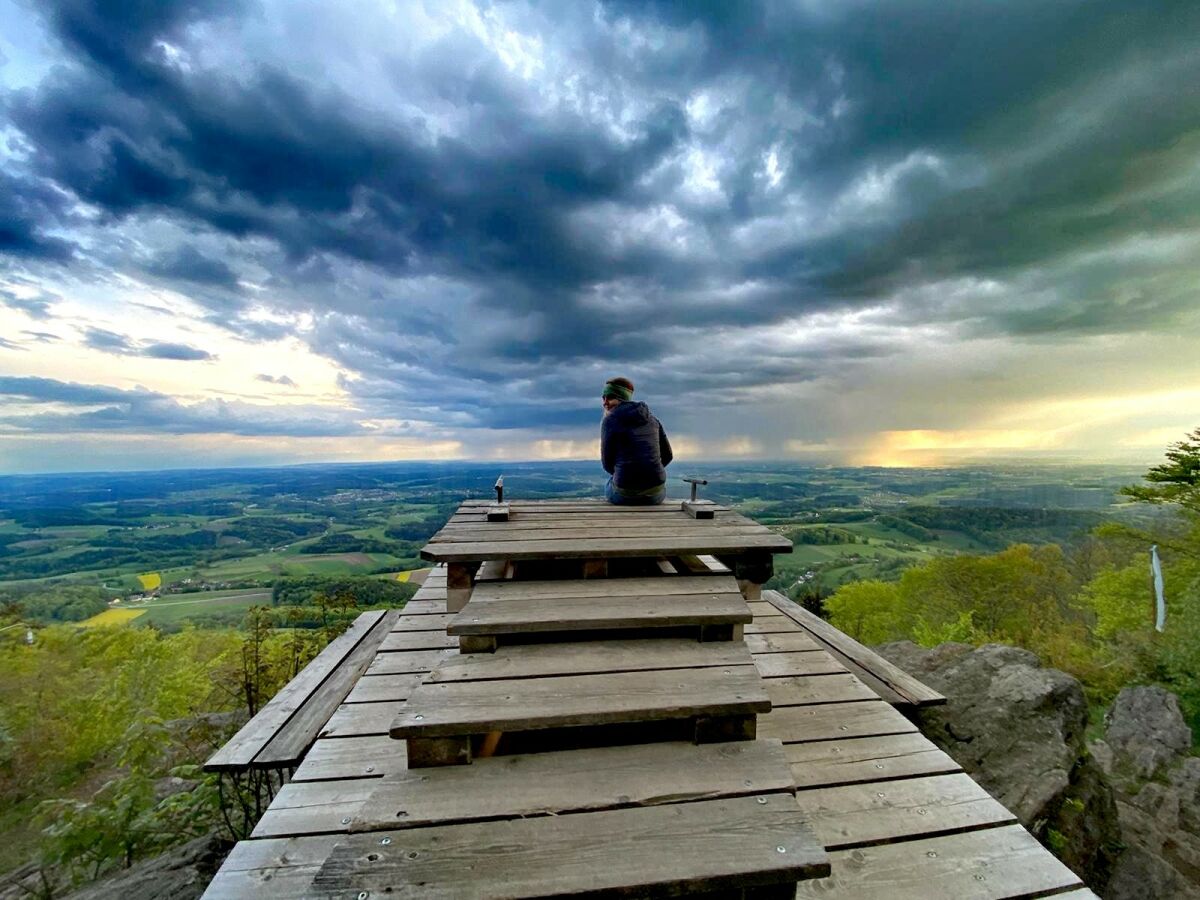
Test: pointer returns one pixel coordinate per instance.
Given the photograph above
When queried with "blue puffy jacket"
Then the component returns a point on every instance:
(634, 448)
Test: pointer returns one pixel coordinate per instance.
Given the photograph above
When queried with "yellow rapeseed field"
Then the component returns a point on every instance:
(112, 617)
(150, 581)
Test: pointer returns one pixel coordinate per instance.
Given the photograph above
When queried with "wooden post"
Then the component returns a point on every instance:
(595, 568)
(477, 643)
(425, 753)
(752, 570)
(718, 729)
(460, 579)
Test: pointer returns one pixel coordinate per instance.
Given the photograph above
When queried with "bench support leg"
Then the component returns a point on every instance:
(718, 729)
(476, 643)
(460, 579)
(595, 568)
(718, 632)
(425, 753)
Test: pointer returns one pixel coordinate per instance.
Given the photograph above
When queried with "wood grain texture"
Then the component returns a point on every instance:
(909, 688)
(239, 752)
(810, 662)
(276, 868)
(416, 640)
(541, 660)
(613, 587)
(423, 608)
(858, 815)
(408, 662)
(596, 547)
(530, 615)
(978, 865)
(314, 807)
(454, 708)
(709, 845)
(373, 688)
(855, 760)
(359, 719)
(575, 780)
(352, 757)
(804, 690)
(787, 642)
(767, 624)
(422, 622)
(828, 721)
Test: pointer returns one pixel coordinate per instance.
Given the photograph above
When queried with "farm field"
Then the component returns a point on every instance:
(175, 609)
(111, 617)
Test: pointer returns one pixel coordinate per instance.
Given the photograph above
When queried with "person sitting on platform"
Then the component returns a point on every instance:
(633, 448)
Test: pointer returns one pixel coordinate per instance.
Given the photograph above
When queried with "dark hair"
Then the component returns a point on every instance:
(622, 382)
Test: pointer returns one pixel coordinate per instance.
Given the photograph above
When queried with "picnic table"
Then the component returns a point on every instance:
(591, 533)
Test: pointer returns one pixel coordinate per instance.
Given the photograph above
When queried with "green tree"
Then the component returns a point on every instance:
(869, 611)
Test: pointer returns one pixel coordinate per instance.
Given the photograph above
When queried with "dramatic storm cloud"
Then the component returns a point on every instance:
(860, 231)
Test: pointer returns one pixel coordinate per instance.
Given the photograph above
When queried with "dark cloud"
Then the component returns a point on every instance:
(29, 207)
(186, 263)
(173, 351)
(276, 379)
(107, 341)
(680, 175)
(122, 345)
(137, 411)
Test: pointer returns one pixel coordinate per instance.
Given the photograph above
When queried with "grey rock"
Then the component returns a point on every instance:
(1018, 729)
(1146, 729)
(181, 874)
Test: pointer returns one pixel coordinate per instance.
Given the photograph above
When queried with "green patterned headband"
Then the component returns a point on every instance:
(616, 391)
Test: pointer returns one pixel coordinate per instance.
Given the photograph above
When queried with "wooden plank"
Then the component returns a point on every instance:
(811, 662)
(352, 757)
(853, 760)
(416, 640)
(806, 690)
(788, 642)
(424, 608)
(859, 815)
(541, 660)
(275, 868)
(699, 509)
(829, 721)
(573, 781)
(978, 865)
(513, 531)
(584, 548)
(373, 688)
(714, 845)
(314, 807)
(292, 741)
(358, 719)
(612, 587)
(239, 752)
(771, 624)
(912, 690)
(455, 708)
(424, 622)
(408, 662)
(521, 616)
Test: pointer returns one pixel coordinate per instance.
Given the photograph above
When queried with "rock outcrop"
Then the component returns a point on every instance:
(1156, 782)
(1019, 730)
(181, 873)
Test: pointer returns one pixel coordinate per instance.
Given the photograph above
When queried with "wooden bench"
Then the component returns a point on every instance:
(887, 680)
(283, 730)
(440, 718)
(748, 847)
(711, 608)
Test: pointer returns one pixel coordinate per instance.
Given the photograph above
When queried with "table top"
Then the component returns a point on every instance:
(595, 529)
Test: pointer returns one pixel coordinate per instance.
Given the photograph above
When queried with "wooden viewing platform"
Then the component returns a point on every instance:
(587, 699)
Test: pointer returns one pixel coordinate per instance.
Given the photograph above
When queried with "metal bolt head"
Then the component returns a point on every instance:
(370, 768)
(762, 799)
(363, 895)
(418, 718)
(345, 820)
(386, 841)
(781, 849)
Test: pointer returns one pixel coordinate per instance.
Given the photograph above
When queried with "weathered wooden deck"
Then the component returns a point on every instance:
(898, 818)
